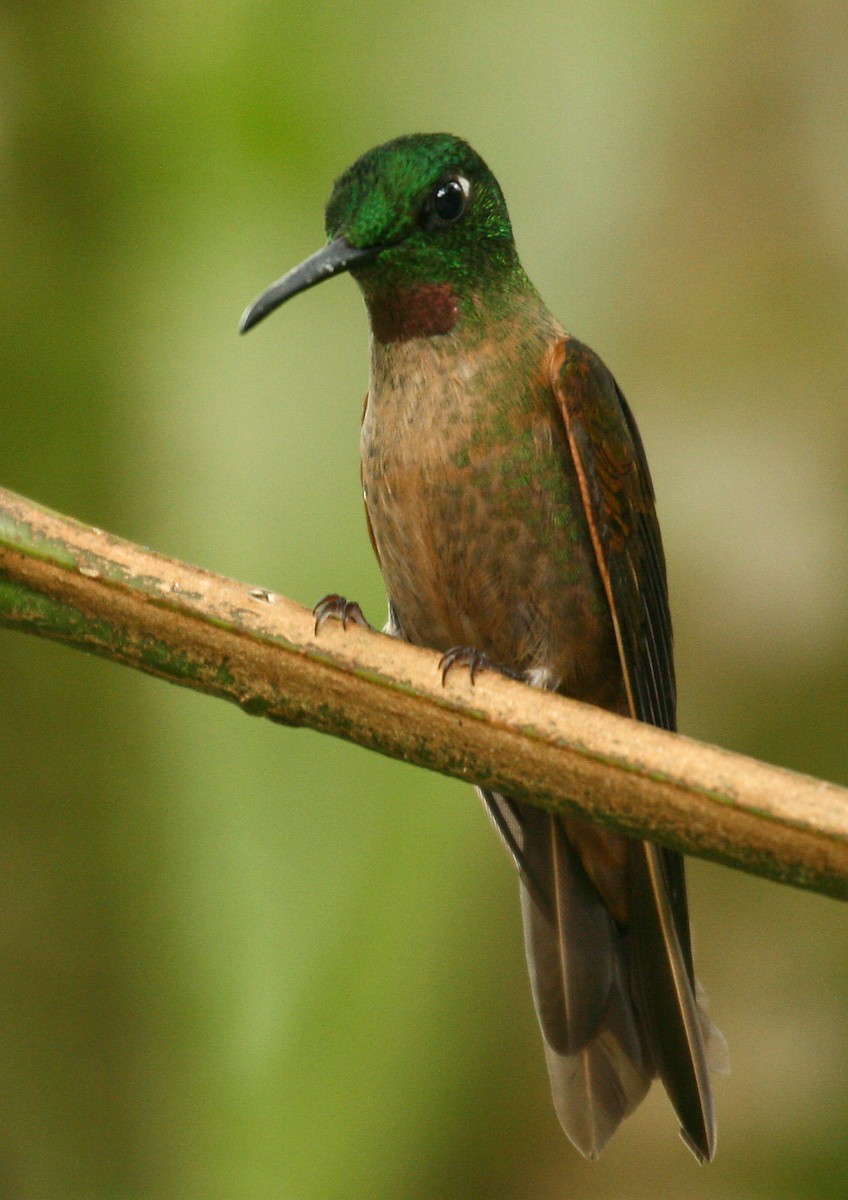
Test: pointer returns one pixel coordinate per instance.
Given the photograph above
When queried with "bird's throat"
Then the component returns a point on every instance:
(422, 310)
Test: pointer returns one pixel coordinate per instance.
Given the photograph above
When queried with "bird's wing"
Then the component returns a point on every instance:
(362, 481)
(392, 625)
(618, 499)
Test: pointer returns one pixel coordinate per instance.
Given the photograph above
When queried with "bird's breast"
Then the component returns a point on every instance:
(476, 515)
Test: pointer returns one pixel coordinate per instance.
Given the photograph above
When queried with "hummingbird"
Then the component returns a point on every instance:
(512, 513)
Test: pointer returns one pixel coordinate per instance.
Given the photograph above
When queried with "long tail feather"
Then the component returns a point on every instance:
(595, 1089)
(579, 972)
(665, 995)
(571, 942)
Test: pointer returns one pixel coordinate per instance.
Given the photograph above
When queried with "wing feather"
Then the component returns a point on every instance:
(618, 499)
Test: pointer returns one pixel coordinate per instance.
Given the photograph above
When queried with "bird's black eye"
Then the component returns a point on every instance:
(447, 202)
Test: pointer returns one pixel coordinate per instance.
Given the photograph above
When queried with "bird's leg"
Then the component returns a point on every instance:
(337, 608)
(474, 660)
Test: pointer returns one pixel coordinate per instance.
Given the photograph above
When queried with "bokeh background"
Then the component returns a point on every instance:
(245, 961)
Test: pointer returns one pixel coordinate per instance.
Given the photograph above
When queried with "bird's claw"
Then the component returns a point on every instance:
(463, 656)
(474, 660)
(336, 608)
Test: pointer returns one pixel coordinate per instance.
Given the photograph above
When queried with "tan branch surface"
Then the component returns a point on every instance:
(78, 585)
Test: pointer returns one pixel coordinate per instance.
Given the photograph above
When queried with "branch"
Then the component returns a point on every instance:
(78, 585)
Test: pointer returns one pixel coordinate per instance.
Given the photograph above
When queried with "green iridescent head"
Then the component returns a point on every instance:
(424, 200)
(422, 209)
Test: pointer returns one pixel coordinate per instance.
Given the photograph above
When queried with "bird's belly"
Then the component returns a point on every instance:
(484, 557)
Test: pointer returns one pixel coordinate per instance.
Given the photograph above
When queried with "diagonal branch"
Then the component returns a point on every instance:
(78, 585)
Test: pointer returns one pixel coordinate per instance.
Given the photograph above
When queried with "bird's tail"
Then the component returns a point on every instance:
(614, 991)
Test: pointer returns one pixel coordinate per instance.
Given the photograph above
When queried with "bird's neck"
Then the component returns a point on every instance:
(405, 309)
(482, 357)
(419, 310)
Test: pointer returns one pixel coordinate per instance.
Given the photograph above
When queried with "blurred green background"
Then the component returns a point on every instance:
(244, 961)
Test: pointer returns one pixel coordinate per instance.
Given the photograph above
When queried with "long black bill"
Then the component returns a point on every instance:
(330, 260)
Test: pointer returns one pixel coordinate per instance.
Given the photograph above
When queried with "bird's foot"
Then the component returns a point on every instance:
(474, 660)
(337, 608)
